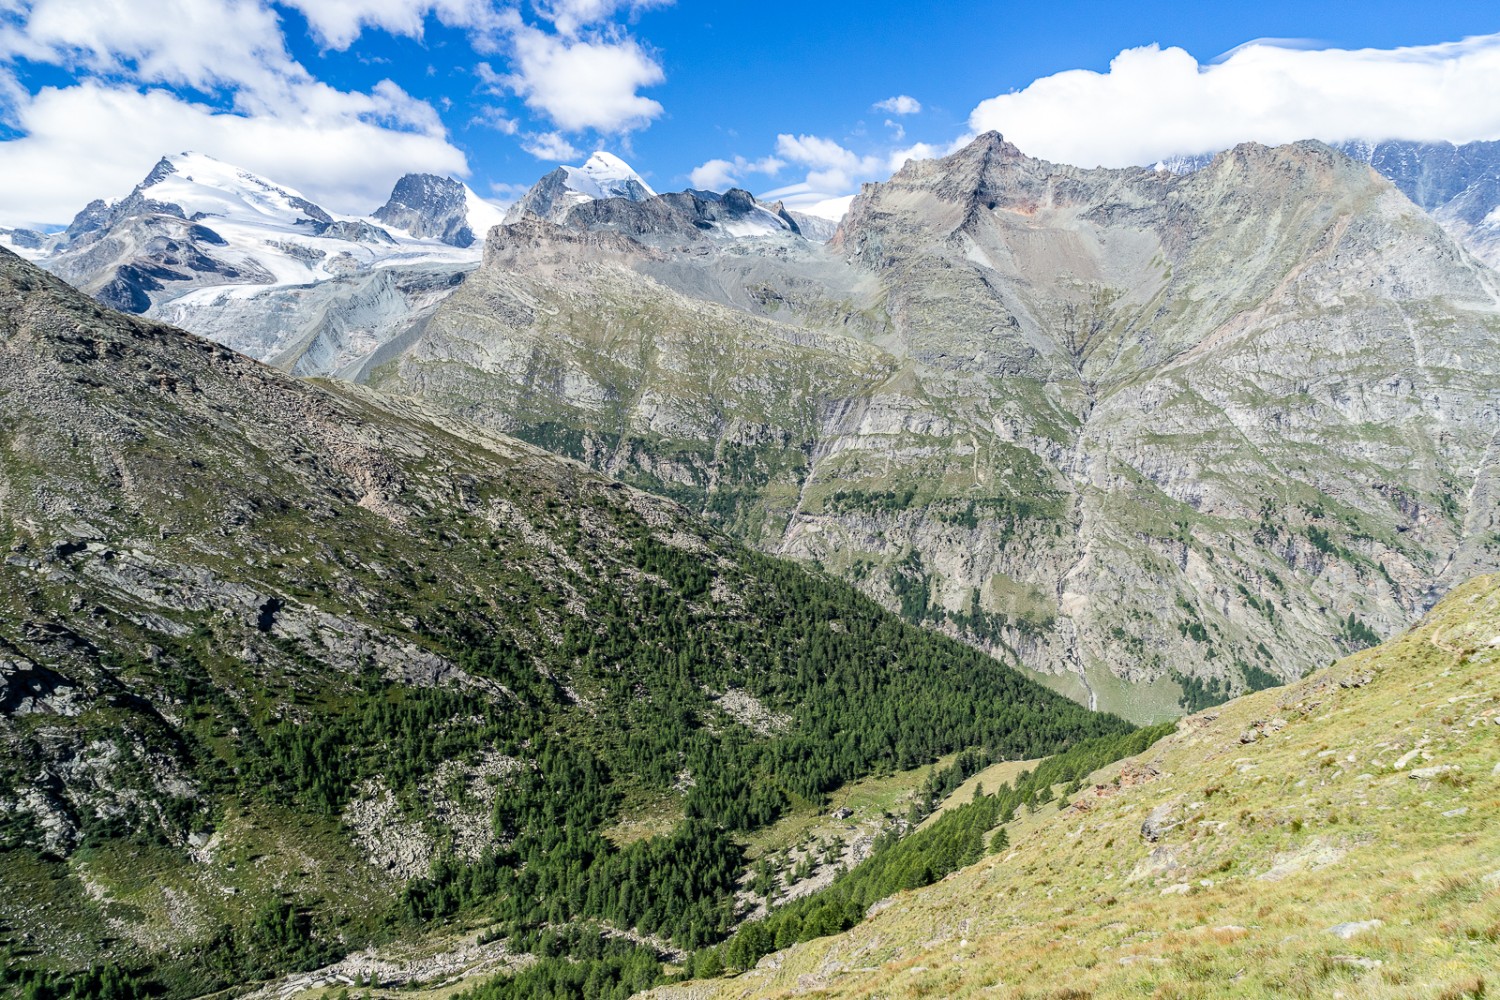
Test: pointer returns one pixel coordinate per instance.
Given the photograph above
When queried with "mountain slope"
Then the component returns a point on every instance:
(286, 669)
(1164, 438)
(1458, 185)
(1333, 837)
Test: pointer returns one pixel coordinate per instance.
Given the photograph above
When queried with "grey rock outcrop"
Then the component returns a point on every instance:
(428, 206)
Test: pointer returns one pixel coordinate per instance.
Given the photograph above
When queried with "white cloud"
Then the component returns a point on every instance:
(550, 146)
(337, 23)
(98, 136)
(96, 140)
(834, 169)
(720, 175)
(203, 44)
(901, 104)
(715, 175)
(217, 76)
(923, 151)
(496, 118)
(1155, 102)
(584, 83)
(814, 151)
(571, 16)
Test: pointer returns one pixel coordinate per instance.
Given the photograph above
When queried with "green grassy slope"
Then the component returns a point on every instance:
(1335, 837)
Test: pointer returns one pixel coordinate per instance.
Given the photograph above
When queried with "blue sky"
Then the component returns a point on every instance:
(339, 97)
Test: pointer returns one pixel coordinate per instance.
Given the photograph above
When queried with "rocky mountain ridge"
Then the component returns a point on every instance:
(1164, 437)
(602, 176)
(240, 258)
(1458, 184)
(438, 208)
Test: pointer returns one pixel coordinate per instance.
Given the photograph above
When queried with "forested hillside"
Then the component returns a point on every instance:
(286, 670)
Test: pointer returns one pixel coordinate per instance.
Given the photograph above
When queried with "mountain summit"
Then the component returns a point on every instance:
(603, 176)
(255, 265)
(440, 208)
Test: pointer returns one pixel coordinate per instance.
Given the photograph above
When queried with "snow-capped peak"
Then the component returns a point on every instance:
(603, 176)
(202, 185)
(607, 176)
(483, 215)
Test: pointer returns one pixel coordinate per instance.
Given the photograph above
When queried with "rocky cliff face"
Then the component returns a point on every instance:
(428, 206)
(1165, 437)
(1459, 185)
(684, 216)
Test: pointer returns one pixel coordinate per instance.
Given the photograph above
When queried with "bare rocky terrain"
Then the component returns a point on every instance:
(1163, 438)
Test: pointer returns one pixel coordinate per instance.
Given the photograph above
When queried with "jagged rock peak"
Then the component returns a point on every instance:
(428, 206)
(164, 168)
(93, 217)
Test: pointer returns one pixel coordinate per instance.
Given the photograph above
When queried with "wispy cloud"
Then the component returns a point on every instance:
(337, 23)
(572, 16)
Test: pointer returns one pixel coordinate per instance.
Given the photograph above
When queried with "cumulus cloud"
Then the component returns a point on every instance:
(720, 175)
(203, 44)
(160, 76)
(901, 104)
(833, 169)
(95, 139)
(337, 23)
(1156, 102)
(715, 175)
(584, 83)
(550, 146)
